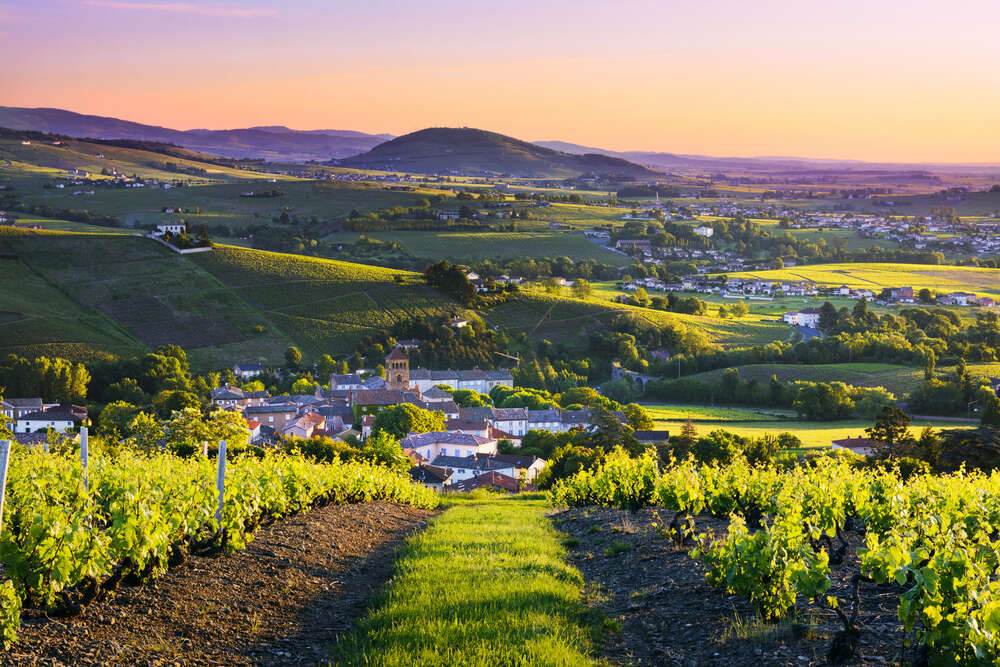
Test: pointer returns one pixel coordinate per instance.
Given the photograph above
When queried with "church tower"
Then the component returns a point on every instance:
(397, 370)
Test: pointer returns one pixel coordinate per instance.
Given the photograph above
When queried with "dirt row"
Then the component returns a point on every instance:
(662, 611)
(300, 584)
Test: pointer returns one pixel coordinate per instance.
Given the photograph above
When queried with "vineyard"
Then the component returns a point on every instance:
(71, 534)
(930, 541)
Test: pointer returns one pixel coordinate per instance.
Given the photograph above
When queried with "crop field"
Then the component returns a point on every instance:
(140, 292)
(74, 154)
(895, 378)
(53, 225)
(97, 294)
(876, 276)
(673, 412)
(325, 306)
(471, 246)
(812, 434)
(215, 203)
(560, 317)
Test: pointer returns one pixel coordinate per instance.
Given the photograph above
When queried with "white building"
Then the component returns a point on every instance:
(439, 443)
(808, 317)
(704, 230)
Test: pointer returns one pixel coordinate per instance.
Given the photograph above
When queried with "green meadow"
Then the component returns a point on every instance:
(486, 584)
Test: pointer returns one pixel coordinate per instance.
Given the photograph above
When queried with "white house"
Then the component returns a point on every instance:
(440, 443)
(859, 445)
(809, 317)
(469, 466)
(171, 228)
(705, 231)
(61, 419)
(248, 370)
(13, 408)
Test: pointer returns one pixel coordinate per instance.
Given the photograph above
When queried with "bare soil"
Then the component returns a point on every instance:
(300, 584)
(663, 612)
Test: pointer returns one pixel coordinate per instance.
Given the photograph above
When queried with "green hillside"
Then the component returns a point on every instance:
(87, 295)
(445, 149)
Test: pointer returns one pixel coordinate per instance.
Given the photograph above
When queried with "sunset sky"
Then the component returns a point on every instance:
(906, 80)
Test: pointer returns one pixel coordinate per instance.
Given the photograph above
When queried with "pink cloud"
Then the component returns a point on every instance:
(204, 9)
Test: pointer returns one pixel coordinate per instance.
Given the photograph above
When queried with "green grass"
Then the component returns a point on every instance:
(97, 294)
(812, 434)
(563, 317)
(471, 246)
(898, 379)
(485, 584)
(702, 413)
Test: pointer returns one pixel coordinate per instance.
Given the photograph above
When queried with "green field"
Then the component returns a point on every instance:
(701, 413)
(83, 295)
(812, 434)
(472, 246)
(895, 378)
(876, 276)
(124, 295)
(485, 584)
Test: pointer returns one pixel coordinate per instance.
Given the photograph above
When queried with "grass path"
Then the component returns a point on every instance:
(485, 584)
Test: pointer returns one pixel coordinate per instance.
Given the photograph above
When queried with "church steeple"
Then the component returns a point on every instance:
(397, 370)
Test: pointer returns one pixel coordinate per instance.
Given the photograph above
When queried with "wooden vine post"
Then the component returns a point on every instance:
(4, 462)
(220, 481)
(84, 456)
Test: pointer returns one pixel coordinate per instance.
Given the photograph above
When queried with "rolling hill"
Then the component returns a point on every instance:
(92, 296)
(273, 142)
(471, 151)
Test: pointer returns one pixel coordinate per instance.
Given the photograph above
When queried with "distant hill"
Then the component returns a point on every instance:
(471, 151)
(274, 142)
(771, 164)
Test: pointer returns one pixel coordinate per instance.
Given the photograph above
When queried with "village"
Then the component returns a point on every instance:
(465, 455)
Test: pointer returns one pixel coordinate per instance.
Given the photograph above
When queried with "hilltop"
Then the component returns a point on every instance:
(271, 142)
(472, 151)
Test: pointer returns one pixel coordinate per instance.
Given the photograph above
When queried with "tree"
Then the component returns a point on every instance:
(326, 366)
(145, 433)
(303, 386)
(609, 432)
(739, 309)
(719, 447)
(405, 418)
(860, 312)
(355, 362)
(723, 311)
(384, 450)
(450, 278)
(638, 417)
(891, 429)
(115, 418)
(828, 316)
(468, 398)
(821, 401)
(293, 357)
(567, 461)
(342, 367)
(622, 390)
(582, 288)
(990, 414)
(169, 401)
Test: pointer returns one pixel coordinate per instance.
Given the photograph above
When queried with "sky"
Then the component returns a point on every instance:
(882, 80)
